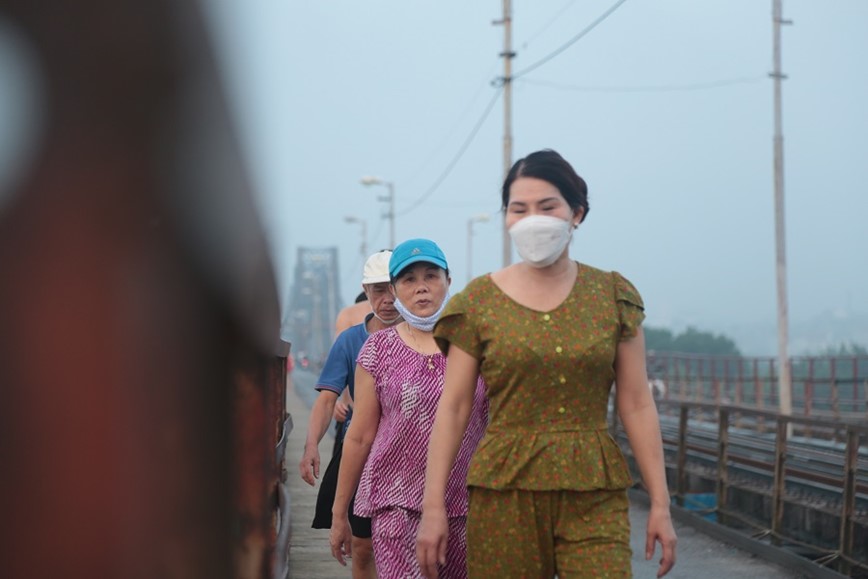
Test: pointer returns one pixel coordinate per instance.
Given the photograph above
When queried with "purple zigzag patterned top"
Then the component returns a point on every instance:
(408, 392)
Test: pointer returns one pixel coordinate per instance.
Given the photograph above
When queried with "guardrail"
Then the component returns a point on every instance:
(822, 386)
(800, 493)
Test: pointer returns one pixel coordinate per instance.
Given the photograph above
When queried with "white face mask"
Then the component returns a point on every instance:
(424, 324)
(539, 239)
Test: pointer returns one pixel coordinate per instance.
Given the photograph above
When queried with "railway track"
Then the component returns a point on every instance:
(814, 468)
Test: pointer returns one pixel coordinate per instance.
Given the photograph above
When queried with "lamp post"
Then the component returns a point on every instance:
(390, 199)
(364, 226)
(481, 218)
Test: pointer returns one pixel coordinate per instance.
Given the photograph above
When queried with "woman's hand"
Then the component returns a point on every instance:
(431, 541)
(340, 538)
(660, 530)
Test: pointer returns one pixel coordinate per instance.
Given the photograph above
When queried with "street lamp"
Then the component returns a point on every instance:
(390, 215)
(364, 226)
(481, 218)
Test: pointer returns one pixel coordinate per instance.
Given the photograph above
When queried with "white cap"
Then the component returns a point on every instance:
(377, 268)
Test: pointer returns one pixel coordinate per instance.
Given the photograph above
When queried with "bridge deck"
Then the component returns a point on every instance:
(699, 556)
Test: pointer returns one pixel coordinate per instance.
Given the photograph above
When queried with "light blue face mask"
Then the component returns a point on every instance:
(423, 324)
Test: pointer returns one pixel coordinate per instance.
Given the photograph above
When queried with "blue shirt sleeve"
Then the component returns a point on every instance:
(339, 369)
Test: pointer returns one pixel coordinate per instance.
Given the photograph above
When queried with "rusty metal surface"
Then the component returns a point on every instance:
(723, 458)
(281, 427)
(138, 315)
(283, 522)
(848, 502)
(780, 478)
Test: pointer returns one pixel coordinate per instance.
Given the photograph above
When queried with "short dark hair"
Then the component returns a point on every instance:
(362, 297)
(549, 166)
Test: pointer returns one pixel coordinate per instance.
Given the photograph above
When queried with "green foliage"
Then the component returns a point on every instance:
(690, 341)
(658, 339)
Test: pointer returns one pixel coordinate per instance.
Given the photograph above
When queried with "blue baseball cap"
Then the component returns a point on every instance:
(413, 251)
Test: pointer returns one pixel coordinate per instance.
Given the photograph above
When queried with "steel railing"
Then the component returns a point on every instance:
(766, 476)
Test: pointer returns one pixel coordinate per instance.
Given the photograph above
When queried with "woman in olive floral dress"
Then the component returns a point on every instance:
(549, 336)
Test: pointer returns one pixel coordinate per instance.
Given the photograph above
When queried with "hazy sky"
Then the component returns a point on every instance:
(665, 109)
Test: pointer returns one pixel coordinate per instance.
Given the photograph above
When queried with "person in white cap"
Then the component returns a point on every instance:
(338, 374)
(399, 379)
(346, 318)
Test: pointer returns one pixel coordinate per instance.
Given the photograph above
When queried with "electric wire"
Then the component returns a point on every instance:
(499, 84)
(457, 156)
(454, 128)
(569, 43)
(648, 88)
(548, 24)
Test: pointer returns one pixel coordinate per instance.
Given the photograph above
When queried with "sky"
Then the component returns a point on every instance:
(665, 108)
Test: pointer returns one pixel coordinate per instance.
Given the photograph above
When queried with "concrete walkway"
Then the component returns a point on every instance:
(309, 553)
(699, 556)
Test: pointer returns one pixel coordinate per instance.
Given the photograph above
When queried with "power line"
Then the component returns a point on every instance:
(570, 42)
(451, 132)
(648, 88)
(551, 21)
(458, 155)
(500, 83)
(437, 149)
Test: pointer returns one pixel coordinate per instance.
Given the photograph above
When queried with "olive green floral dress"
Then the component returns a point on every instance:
(548, 375)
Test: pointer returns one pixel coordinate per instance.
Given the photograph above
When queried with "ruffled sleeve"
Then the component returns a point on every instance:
(631, 310)
(456, 325)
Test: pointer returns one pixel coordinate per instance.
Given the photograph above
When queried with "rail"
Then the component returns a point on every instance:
(804, 494)
(834, 387)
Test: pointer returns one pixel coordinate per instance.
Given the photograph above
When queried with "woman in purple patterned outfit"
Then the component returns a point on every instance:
(399, 379)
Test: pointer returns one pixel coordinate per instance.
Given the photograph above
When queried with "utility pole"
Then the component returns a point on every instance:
(785, 394)
(507, 56)
(368, 181)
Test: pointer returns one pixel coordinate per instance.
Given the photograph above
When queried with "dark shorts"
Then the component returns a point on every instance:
(361, 526)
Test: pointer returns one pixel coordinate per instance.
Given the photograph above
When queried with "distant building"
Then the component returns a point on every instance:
(314, 303)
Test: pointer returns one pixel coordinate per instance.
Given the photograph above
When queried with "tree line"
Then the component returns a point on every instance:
(695, 341)
(690, 341)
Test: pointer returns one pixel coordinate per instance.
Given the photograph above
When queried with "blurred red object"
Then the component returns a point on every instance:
(141, 374)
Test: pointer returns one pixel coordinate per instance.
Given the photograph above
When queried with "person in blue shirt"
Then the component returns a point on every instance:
(337, 375)
(347, 317)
